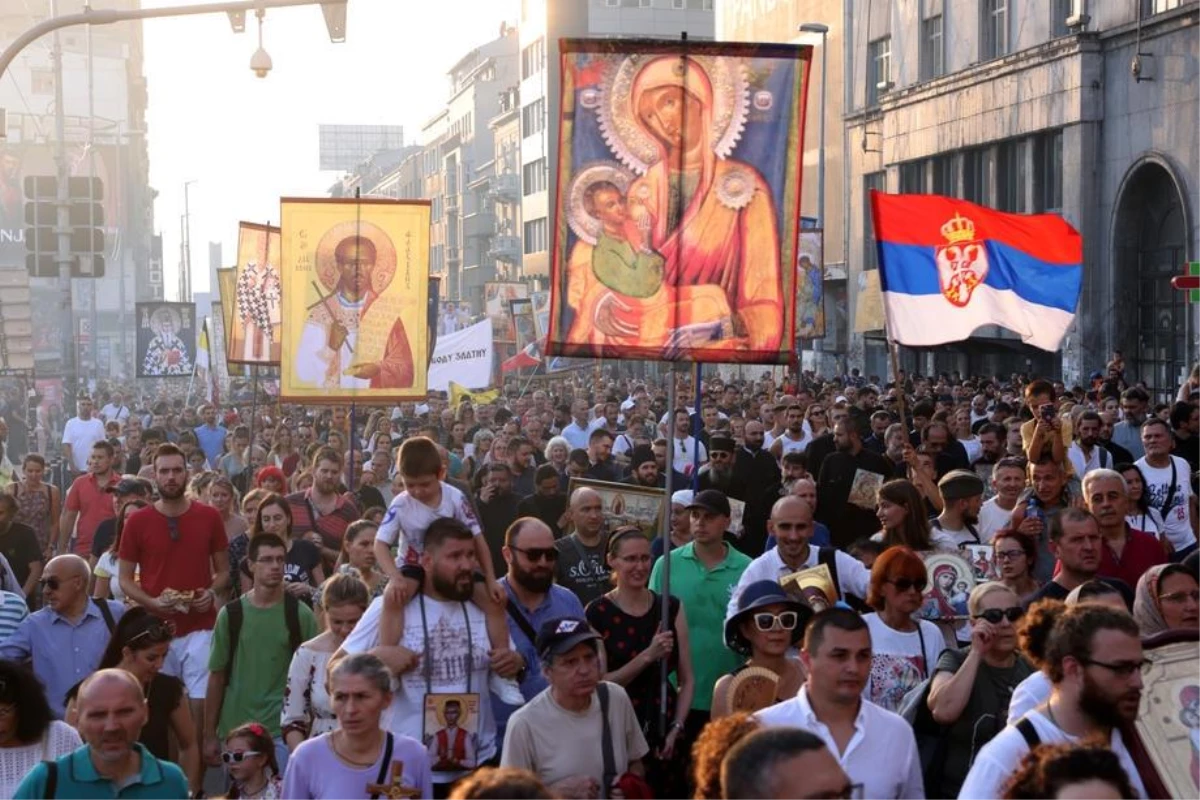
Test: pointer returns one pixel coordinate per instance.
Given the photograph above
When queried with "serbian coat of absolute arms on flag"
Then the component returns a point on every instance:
(962, 263)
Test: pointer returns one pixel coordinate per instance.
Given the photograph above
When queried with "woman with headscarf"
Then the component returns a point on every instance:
(1166, 599)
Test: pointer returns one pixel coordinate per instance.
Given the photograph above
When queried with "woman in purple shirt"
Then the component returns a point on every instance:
(358, 759)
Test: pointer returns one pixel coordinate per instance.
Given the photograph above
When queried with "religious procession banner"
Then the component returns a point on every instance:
(254, 335)
(810, 286)
(354, 275)
(166, 339)
(678, 200)
(464, 357)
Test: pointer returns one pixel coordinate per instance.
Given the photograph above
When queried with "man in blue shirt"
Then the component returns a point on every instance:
(112, 763)
(66, 638)
(210, 435)
(533, 599)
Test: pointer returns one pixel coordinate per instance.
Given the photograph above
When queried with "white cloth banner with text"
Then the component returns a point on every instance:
(464, 357)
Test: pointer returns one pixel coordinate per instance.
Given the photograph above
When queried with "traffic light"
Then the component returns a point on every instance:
(41, 215)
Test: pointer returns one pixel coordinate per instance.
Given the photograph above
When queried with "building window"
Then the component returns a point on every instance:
(612, 3)
(879, 72)
(877, 181)
(933, 54)
(1048, 169)
(533, 58)
(41, 81)
(536, 236)
(1151, 7)
(645, 3)
(993, 39)
(533, 177)
(533, 117)
(912, 177)
(977, 176)
(1060, 12)
(942, 178)
(679, 5)
(1011, 176)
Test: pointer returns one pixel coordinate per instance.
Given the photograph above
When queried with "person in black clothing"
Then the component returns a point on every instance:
(876, 441)
(718, 473)
(846, 497)
(1185, 424)
(19, 544)
(1119, 454)
(600, 464)
(948, 453)
(643, 469)
(497, 504)
(366, 493)
(124, 491)
(548, 502)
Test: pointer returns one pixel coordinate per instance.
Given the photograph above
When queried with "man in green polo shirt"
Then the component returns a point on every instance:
(112, 763)
(703, 574)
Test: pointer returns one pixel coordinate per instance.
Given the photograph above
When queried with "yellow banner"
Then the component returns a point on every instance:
(458, 393)
(254, 336)
(355, 276)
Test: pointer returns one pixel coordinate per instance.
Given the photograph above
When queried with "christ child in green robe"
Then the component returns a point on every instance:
(620, 259)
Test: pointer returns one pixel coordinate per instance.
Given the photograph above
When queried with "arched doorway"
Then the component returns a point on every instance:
(1150, 246)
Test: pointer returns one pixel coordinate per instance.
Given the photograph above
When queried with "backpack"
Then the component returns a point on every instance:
(237, 614)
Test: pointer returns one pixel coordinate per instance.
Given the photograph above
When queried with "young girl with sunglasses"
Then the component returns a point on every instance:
(249, 755)
(138, 645)
(904, 650)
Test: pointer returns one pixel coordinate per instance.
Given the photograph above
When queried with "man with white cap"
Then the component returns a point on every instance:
(681, 523)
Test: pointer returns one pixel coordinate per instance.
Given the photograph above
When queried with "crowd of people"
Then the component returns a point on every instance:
(434, 600)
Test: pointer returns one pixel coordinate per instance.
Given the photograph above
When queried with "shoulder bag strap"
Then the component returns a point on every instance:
(51, 779)
(1028, 732)
(1166, 507)
(924, 656)
(606, 743)
(828, 557)
(106, 612)
(384, 765)
(522, 623)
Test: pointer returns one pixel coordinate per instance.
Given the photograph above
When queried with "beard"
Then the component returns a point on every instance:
(1100, 707)
(537, 580)
(171, 492)
(457, 588)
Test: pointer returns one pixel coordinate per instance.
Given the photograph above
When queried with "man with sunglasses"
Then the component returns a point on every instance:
(1094, 660)
(66, 638)
(533, 600)
(718, 473)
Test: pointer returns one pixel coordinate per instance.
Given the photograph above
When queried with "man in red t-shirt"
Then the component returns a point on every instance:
(88, 502)
(179, 551)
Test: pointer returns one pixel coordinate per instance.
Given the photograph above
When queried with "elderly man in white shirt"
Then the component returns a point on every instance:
(792, 525)
(874, 746)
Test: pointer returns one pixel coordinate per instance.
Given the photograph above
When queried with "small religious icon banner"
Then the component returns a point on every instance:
(355, 279)
(166, 339)
(678, 215)
(451, 731)
(254, 337)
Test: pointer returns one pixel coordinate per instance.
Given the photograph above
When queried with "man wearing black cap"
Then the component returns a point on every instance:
(124, 492)
(555, 735)
(718, 473)
(962, 497)
(643, 469)
(703, 574)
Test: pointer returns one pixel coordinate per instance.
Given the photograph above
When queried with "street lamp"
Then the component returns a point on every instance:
(821, 28)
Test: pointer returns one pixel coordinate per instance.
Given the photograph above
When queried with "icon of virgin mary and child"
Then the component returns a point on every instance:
(681, 251)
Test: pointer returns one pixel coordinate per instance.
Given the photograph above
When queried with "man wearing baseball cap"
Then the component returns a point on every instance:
(962, 497)
(125, 491)
(703, 574)
(555, 734)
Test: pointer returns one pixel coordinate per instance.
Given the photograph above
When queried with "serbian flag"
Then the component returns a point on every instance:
(947, 267)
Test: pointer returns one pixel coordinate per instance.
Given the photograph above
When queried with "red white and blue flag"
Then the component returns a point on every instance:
(948, 267)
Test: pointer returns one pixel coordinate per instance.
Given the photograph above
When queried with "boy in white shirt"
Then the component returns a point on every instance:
(427, 497)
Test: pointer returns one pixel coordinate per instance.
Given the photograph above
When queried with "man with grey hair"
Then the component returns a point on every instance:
(555, 735)
(1126, 553)
(112, 762)
(782, 763)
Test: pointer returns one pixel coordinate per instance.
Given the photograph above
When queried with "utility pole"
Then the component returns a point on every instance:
(63, 223)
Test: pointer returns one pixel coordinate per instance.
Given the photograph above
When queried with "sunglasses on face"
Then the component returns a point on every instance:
(904, 584)
(159, 631)
(230, 757)
(784, 621)
(549, 554)
(994, 615)
(52, 583)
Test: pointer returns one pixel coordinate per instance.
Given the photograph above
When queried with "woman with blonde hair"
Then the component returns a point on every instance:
(223, 497)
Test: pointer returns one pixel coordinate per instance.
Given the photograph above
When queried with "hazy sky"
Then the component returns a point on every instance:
(247, 141)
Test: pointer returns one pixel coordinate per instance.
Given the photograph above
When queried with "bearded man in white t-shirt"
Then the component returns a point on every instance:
(1094, 661)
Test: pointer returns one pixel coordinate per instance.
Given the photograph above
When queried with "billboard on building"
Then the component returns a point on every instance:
(677, 220)
(356, 317)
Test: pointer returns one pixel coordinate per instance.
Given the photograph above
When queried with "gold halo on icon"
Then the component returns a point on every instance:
(385, 253)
